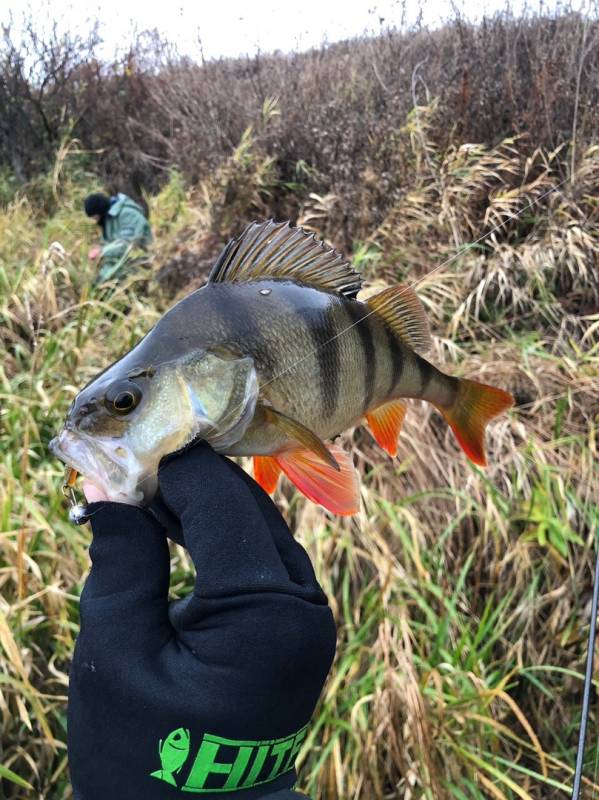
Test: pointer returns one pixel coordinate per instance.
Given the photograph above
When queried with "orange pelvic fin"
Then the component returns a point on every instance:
(476, 404)
(338, 490)
(266, 472)
(385, 423)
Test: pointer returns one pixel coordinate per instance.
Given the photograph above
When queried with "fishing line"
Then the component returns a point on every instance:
(470, 245)
(343, 331)
(447, 261)
(310, 353)
(417, 281)
(588, 675)
(568, 393)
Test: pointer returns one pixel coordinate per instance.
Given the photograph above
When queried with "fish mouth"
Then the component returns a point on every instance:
(106, 463)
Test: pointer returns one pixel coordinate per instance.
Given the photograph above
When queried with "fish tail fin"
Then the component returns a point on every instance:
(474, 406)
(162, 775)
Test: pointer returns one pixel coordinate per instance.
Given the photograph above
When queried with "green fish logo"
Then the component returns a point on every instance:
(173, 752)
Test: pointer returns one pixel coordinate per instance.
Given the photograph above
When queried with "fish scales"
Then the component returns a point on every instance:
(397, 361)
(326, 374)
(324, 335)
(362, 331)
(317, 363)
(309, 352)
(293, 333)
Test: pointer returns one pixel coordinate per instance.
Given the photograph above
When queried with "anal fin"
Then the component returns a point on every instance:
(266, 472)
(338, 490)
(385, 423)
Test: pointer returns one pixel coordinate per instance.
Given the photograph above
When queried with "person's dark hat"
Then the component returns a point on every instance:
(97, 204)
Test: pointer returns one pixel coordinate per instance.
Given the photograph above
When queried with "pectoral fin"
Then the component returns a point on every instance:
(337, 489)
(266, 472)
(385, 423)
(301, 434)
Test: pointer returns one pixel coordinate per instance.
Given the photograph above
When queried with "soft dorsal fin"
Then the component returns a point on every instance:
(276, 250)
(403, 311)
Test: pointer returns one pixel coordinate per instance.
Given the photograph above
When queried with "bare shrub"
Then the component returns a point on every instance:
(342, 107)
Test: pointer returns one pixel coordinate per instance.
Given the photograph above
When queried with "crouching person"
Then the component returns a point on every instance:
(124, 228)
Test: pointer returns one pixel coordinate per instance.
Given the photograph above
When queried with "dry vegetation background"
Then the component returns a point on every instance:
(462, 596)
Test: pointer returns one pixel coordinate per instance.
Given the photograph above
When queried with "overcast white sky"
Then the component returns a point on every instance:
(236, 27)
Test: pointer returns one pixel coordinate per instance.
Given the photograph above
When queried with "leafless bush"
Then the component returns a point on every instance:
(39, 83)
(342, 107)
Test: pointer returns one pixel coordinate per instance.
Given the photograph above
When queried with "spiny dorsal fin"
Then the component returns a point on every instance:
(276, 250)
(402, 310)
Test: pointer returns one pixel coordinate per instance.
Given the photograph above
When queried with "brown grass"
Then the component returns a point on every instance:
(461, 595)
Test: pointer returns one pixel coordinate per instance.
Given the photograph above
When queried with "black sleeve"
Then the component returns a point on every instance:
(236, 537)
(212, 694)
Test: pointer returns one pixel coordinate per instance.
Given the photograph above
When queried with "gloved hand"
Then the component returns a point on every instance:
(210, 695)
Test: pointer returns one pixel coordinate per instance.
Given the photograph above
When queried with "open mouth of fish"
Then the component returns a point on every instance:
(106, 463)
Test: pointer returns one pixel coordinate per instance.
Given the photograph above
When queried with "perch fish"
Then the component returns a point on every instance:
(272, 358)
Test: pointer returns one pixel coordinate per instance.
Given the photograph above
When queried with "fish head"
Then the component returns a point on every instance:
(125, 420)
(178, 739)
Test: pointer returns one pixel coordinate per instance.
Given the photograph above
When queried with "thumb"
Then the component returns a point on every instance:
(92, 493)
(224, 529)
(126, 594)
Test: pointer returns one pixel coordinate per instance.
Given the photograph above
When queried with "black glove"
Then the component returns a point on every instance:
(212, 694)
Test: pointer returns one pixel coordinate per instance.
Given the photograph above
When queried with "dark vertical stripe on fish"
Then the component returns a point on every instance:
(426, 372)
(324, 335)
(362, 328)
(246, 327)
(396, 359)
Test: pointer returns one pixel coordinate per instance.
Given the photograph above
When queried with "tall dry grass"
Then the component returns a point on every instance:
(461, 595)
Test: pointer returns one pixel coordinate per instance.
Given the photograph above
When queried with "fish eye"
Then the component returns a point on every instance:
(122, 397)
